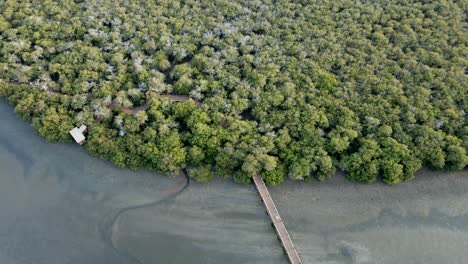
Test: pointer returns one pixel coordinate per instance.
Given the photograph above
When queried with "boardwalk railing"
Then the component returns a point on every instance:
(277, 222)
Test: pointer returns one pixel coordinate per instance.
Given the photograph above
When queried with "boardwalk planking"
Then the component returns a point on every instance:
(277, 222)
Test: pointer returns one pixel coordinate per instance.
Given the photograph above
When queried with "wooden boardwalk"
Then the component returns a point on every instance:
(277, 222)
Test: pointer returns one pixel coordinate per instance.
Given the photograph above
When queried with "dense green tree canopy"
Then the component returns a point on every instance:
(235, 88)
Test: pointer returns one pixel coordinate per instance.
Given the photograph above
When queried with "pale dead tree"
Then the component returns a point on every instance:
(439, 123)
(244, 40)
(45, 86)
(166, 39)
(103, 112)
(207, 38)
(214, 65)
(107, 101)
(122, 100)
(22, 74)
(137, 64)
(141, 117)
(322, 133)
(88, 86)
(271, 135)
(110, 69)
(66, 46)
(179, 53)
(265, 127)
(20, 45)
(134, 93)
(196, 93)
(230, 54)
(118, 121)
(142, 86)
(225, 29)
(35, 84)
(156, 83)
(12, 58)
(80, 117)
(372, 121)
(37, 53)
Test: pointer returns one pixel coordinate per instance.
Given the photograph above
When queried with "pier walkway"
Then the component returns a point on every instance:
(281, 230)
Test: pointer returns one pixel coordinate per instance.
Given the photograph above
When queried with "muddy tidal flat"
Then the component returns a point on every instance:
(60, 205)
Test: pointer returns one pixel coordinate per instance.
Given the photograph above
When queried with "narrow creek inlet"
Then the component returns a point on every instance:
(168, 194)
(60, 205)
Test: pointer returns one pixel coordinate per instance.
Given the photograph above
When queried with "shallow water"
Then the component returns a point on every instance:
(60, 205)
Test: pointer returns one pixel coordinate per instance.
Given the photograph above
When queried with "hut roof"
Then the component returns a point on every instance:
(77, 134)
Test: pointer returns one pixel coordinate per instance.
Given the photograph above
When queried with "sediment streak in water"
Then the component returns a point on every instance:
(108, 229)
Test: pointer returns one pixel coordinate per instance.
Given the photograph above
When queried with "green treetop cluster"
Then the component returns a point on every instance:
(279, 88)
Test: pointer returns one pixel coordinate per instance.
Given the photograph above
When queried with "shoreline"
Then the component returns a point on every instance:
(54, 212)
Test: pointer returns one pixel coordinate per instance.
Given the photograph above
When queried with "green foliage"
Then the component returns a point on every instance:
(238, 88)
(325, 167)
(392, 172)
(171, 155)
(275, 176)
(299, 169)
(327, 82)
(202, 174)
(4, 24)
(54, 125)
(456, 158)
(242, 177)
(363, 165)
(101, 141)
